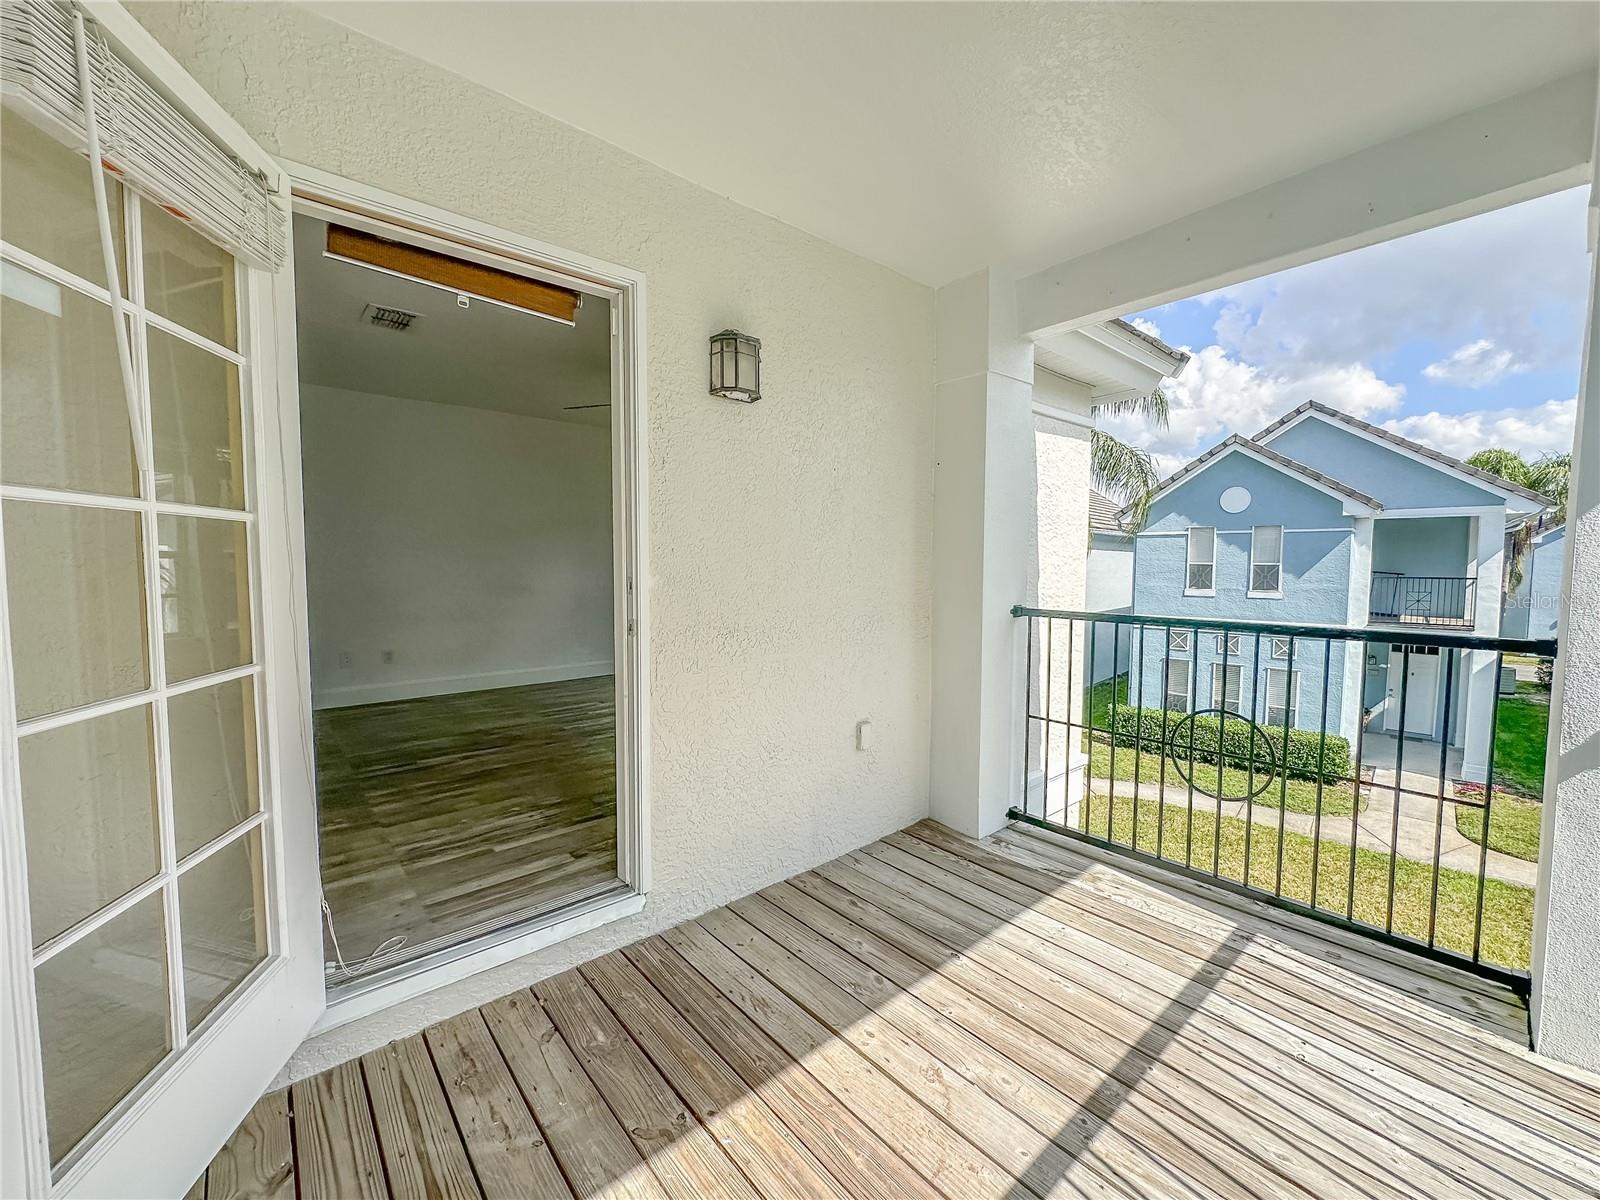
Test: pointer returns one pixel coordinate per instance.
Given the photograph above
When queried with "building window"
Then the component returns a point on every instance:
(1202, 565)
(1229, 698)
(1178, 685)
(1280, 647)
(1277, 678)
(1228, 643)
(1266, 560)
(1179, 640)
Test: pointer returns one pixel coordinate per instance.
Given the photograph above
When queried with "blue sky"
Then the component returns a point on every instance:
(1459, 337)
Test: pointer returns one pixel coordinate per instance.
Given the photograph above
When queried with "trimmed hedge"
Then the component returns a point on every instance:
(1148, 727)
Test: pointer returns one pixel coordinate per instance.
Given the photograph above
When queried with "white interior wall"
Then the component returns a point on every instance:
(790, 540)
(451, 548)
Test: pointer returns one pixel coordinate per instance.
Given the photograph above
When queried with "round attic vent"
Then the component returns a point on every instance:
(1235, 500)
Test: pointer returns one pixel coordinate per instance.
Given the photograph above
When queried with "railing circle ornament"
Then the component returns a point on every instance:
(1268, 769)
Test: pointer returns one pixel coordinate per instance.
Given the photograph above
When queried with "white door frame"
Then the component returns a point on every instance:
(321, 193)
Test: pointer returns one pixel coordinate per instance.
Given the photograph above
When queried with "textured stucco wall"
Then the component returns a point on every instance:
(1423, 545)
(1532, 610)
(790, 541)
(1393, 478)
(1061, 458)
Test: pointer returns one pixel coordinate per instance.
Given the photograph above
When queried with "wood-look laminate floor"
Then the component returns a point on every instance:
(442, 813)
(937, 1017)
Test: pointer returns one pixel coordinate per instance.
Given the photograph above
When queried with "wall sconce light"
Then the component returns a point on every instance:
(736, 366)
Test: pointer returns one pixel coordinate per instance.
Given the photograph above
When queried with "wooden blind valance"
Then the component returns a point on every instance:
(454, 274)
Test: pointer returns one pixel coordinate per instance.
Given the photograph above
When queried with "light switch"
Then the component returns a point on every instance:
(863, 735)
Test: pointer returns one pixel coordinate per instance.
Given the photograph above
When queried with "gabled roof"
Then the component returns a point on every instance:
(1235, 443)
(1455, 465)
(1180, 358)
(1103, 514)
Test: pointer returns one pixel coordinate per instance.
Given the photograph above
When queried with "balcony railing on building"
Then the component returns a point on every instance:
(1341, 773)
(1444, 601)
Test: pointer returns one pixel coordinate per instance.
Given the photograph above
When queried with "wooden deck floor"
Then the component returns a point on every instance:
(938, 1017)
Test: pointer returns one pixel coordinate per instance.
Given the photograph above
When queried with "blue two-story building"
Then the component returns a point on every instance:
(1322, 519)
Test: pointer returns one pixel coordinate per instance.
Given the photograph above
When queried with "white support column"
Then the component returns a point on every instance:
(1566, 926)
(1352, 697)
(983, 513)
(1479, 677)
(1063, 421)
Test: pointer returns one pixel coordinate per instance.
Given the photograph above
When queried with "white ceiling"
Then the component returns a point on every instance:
(482, 356)
(938, 138)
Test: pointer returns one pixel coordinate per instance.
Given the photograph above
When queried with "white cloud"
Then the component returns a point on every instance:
(1516, 277)
(1532, 431)
(1218, 395)
(1475, 365)
(1145, 326)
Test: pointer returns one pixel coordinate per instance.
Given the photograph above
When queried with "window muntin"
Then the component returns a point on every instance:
(132, 599)
(1229, 644)
(1235, 680)
(1200, 568)
(1180, 640)
(1177, 697)
(1275, 697)
(1266, 560)
(1280, 647)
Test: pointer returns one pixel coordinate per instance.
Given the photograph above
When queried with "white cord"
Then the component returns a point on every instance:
(91, 129)
(345, 969)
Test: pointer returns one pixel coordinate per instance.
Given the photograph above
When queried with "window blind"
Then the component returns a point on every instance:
(145, 141)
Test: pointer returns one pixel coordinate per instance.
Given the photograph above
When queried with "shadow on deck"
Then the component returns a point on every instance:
(933, 1016)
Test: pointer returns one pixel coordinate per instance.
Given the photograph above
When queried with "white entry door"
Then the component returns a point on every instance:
(158, 864)
(1421, 690)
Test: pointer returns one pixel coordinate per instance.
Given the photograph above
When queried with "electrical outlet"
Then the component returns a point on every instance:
(388, 656)
(345, 661)
(863, 735)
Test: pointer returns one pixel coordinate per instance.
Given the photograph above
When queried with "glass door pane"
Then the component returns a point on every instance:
(130, 642)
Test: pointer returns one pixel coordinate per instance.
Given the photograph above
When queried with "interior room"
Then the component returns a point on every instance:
(457, 461)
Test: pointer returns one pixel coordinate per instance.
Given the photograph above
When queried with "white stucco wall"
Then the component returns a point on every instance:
(470, 547)
(790, 540)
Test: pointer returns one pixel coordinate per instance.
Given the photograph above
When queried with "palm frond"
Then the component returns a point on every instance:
(1507, 464)
(1154, 407)
(1123, 472)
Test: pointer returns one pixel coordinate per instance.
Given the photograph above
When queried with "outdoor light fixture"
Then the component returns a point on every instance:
(736, 366)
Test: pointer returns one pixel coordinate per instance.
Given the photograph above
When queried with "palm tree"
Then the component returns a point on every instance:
(1125, 472)
(1549, 475)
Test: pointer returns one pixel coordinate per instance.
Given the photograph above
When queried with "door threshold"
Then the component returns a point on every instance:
(364, 995)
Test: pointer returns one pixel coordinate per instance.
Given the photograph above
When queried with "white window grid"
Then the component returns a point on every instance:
(1275, 707)
(1177, 697)
(1266, 570)
(1232, 699)
(1229, 644)
(1179, 641)
(1200, 573)
(1280, 647)
(156, 696)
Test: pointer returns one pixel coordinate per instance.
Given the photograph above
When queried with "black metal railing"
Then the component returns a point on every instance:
(1248, 755)
(1445, 601)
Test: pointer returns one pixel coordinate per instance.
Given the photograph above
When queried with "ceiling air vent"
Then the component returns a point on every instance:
(388, 318)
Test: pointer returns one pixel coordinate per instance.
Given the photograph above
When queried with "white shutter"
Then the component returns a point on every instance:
(146, 142)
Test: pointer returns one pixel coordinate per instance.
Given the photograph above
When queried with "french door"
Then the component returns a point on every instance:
(162, 954)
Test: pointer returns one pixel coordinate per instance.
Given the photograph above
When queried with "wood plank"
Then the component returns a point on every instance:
(1146, 996)
(1086, 1065)
(772, 1158)
(948, 1160)
(852, 1152)
(594, 1152)
(1293, 1000)
(1105, 1169)
(422, 1150)
(336, 1147)
(689, 1164)
(257, 1162)
(503, 1142)
(959, 1085)
(197, 1189)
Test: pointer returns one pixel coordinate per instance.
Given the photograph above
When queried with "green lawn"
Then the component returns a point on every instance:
(1519, 743)
(1507, 909)
(1513, 825)
(1302, 793)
